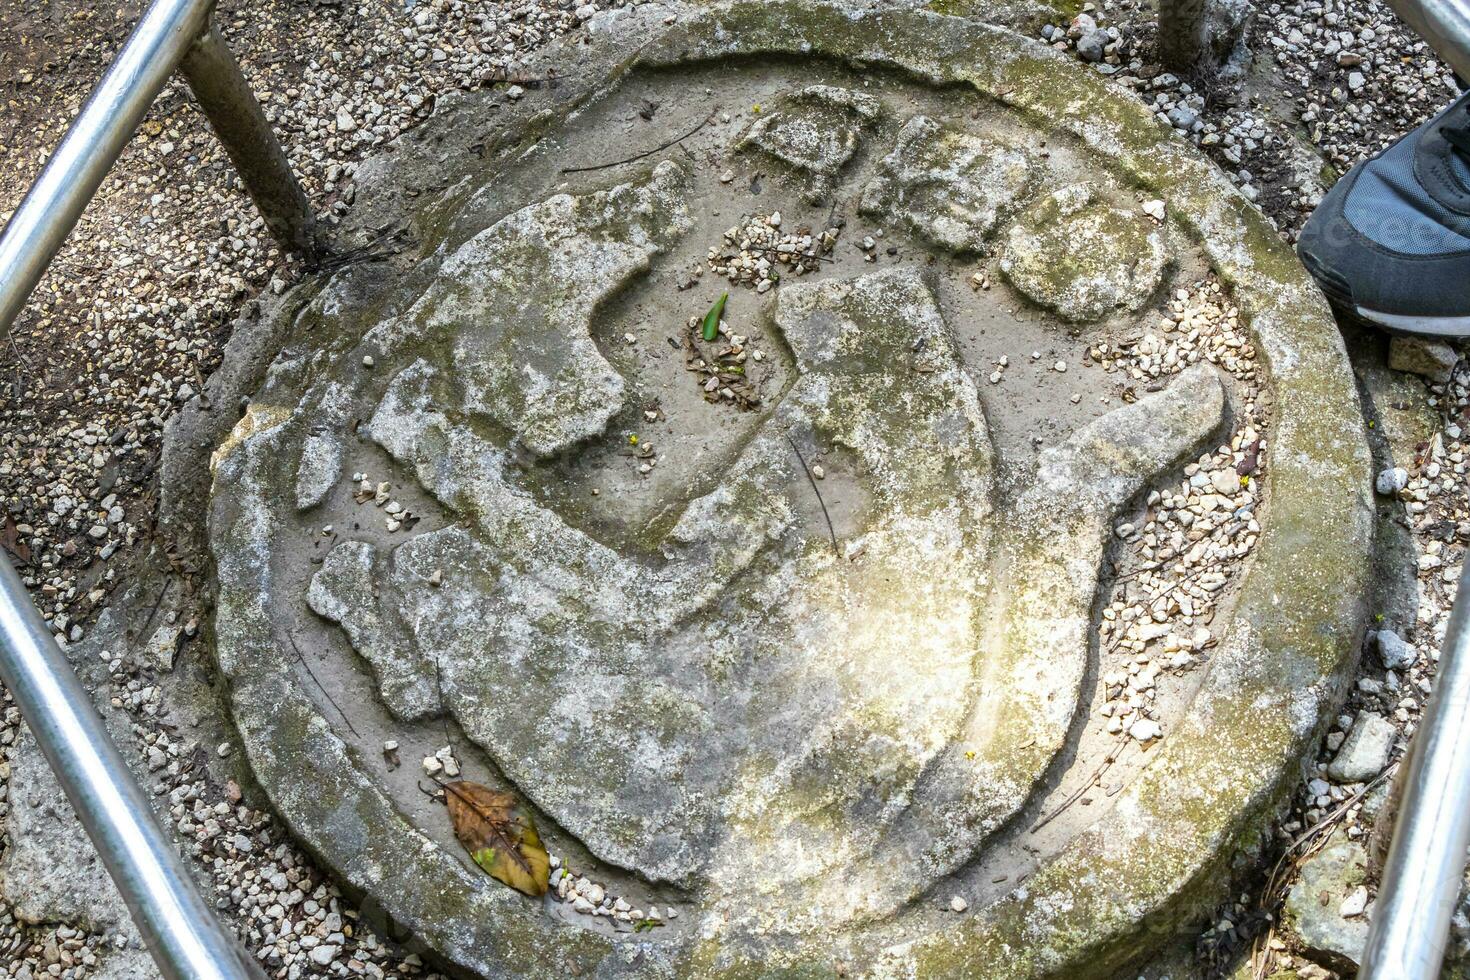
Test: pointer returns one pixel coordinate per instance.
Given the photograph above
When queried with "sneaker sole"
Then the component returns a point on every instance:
(1340, 295)
(1437, 326)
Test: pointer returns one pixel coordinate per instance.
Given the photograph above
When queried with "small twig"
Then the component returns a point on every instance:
(1092, 781)
(367, 252)
(813, 481)
(20, 359)
(1313, 836)
(636, 157)
(154, 611)
(325, 693)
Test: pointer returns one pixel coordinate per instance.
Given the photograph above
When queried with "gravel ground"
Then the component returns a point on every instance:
(1331, 84)
(134, 311)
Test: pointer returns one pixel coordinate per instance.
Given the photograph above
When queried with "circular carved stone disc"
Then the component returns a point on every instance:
(789, 639)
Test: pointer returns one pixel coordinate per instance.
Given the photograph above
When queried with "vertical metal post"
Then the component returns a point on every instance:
(1199, 38)
(240, 123)
(1426, 862)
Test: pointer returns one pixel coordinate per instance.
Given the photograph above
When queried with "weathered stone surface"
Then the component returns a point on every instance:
(1084, 258)
(1365, 751)
(51, 873)
(1315, 905)
(692, 810)
(344, 591)
(797, 677)
(534, 280)
(1433, 359)
(815, 132)
(321, 468)
(951, 187)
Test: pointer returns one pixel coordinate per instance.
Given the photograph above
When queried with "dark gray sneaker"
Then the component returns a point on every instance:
(1390, 243)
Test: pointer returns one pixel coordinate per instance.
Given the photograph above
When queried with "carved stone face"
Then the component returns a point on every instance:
(793, 660)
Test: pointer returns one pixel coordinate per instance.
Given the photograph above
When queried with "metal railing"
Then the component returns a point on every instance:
(184, 937)
(1425, 870)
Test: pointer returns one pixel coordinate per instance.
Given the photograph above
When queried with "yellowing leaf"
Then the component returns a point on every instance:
(500, 835)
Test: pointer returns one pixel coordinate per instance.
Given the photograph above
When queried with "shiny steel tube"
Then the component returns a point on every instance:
(74, 172)
(1426, 862)
(1445, 24)
(182, 933)
(186, 940)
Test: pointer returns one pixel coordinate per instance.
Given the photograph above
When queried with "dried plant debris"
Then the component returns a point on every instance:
(395, 515)
(723, 368)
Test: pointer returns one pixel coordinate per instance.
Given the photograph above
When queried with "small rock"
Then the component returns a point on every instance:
(1182, 117)
(1145, 730)
(324, 954)
(163, 646)
(1365, 751)
(1354, 904)
(1392, 480)
(1433, 359)
(1225, 482)
(1313, 906)
(1393, 652)
(1092, 46)
(1154, 209)
(958, 904)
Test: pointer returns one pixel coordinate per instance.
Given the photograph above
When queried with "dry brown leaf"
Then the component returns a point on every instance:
(11, 541)
(500, 835)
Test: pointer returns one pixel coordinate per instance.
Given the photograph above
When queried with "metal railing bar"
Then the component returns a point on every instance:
(71, 177)
(1425, 869)
(182, 934)
(240, 123)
